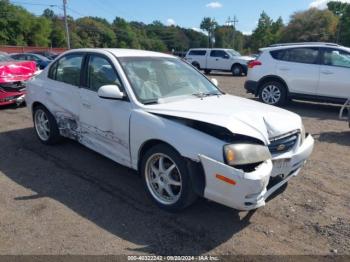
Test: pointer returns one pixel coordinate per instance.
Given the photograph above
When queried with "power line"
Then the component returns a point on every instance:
(37, 4)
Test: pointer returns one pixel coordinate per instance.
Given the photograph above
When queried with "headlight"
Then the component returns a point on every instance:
(243, 154)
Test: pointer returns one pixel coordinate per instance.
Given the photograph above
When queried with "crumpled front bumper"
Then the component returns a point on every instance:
(247, 191)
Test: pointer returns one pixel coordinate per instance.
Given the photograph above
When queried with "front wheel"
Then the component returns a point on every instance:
(166, 178)
(273, 93)
(45, 126)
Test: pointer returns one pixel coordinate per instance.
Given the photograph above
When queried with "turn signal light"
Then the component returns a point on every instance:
(226, 179)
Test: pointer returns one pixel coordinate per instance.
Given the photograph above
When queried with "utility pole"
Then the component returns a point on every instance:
(66, 22)
(232, 22)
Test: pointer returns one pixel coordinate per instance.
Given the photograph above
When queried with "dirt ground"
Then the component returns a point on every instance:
(67, 199)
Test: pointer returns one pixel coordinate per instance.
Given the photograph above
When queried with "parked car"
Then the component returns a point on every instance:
(156, 114)
(40, 60)
(310, 71)
(227, 60)
(49, 55)
(13, 75)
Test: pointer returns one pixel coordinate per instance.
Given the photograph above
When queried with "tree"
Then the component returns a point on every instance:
(262, 36)
(209, 25)
(311, 25)
(277, 29)
(95, 32)
(342, 11)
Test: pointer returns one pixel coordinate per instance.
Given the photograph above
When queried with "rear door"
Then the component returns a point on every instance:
(219, 59)
(300, 68)
(104, 122)
(62, 93)
(335, 73)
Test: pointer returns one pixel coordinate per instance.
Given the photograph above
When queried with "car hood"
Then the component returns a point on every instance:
(239, 115)
(246, 58)
(16, 71)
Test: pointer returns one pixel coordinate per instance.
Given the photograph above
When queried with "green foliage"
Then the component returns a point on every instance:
(342, 11)
(20, 27)
(266, 33)
(209, 25)
(311, 25)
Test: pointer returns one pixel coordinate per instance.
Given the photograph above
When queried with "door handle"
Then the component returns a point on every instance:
(217, 59)
(284, 69)
(327, 72)
(48, 92)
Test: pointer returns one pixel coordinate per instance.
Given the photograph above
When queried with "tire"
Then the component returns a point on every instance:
(207, 71)
(177, 180)
(273, 93)
(47, 133)
(237, 70)
(196, 65)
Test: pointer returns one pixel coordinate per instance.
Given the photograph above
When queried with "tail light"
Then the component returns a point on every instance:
(254, 63)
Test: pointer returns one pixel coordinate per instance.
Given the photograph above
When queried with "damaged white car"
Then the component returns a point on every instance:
(156, 114)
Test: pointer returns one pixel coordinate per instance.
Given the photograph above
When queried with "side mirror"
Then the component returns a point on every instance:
(226, 56)
(215, 81)
(110, 92)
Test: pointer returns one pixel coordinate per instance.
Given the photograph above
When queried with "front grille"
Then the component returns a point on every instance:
(283, 143)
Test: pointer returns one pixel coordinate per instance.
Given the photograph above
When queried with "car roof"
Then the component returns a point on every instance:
(119, 52)
(211, 49)
(306, 44)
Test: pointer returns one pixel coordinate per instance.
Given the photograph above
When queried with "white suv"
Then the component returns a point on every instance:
(310, 71)
(226, 60)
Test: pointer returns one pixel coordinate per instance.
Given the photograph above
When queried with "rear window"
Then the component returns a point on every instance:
(305, 55)
(197, 52)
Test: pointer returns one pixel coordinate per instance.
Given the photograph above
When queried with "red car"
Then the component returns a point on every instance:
(13, 75)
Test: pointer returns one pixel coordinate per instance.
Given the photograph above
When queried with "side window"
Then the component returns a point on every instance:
(334, 57)
(218, 53)
(32, 58)
(67, 69)
(198, 53)
(305, 55)
(100, 73)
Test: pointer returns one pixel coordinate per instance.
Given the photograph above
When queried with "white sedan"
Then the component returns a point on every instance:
(158, 115)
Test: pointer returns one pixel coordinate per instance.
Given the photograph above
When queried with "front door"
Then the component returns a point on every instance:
(104, 122)
(219, 60)
(335, 74)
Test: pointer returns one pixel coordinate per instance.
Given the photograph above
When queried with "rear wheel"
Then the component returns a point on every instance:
(273, 93)
(166, 178)
(45, 126)
(237, 70)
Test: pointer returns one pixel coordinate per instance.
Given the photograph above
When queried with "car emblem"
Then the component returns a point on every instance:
(281, 147)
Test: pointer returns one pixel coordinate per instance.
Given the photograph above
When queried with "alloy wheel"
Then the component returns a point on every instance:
(163, 179)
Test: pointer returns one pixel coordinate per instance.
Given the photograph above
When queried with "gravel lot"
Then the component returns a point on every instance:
(69, 200)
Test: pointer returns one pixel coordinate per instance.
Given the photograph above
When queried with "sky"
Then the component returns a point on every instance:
(185, 13)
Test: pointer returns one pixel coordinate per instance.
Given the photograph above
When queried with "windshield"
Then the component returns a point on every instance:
(5, 58)
(155, 78)
(233, 52)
